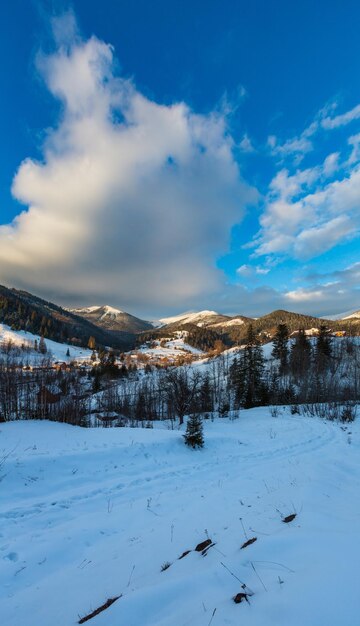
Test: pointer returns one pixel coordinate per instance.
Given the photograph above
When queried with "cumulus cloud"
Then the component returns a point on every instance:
(305, 214)
(132, 201)
(304, 295)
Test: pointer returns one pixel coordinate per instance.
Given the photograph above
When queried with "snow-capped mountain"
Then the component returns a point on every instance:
(22, 310)
(208, 319)
(105, 311)
(112, 319)
(200, 318)
(348, 315)
(355, 315)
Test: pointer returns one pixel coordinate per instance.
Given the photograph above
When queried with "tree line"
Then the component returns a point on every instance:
(298, 371)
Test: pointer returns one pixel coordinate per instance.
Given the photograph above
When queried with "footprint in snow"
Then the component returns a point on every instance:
(12, 556)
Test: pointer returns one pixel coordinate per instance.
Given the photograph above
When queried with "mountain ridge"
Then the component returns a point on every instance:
(22, 310)
(111, 319)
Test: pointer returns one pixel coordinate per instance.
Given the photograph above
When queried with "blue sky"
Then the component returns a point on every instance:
(218, 143)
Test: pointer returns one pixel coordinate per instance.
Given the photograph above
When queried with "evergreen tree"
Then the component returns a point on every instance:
(42, 346)
(96, 386)
(323, 348)
(238, 380)
(205, 396)
(254, 393)
(300, 355)
(140, 406)
(281, 350)
(194, 436)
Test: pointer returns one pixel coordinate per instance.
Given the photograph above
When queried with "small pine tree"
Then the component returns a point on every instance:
(194, 436)
(68, 352)
(96, 386)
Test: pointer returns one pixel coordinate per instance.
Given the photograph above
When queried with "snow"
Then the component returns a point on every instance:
(56, 351)
(106, 310)
(355, 315)
(87, 515)
(344, 316)
(188, 318)
(170, 348)
(233, 322)
(311, 331)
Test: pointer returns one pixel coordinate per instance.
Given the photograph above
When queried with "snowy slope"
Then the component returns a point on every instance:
(236, 321)
(348, 315)
(355, 315)
(210, 319)
(188, 318)
(169, 348)
(87, 515)
(104, 310)
(57, 351)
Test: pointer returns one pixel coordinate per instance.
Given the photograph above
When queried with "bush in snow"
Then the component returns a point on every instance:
(348, 413)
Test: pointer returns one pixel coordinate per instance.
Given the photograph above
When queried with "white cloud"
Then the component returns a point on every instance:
(331, 164)
(246, 144)
(296, 147)
(305, 215)
(244, 270)
(304, 295)
(132, 201)
(329, 122)
(316, 240)
(251, 270)
(354, 141)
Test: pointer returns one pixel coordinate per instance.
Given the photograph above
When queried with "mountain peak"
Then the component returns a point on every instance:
(110, 318)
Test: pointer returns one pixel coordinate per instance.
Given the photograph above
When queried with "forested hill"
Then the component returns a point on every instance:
(206, 338)
(23, 311)
(267, 324)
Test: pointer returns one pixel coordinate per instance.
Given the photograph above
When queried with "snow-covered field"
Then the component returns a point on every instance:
(56, 351)
(170, 348)
(86, 515)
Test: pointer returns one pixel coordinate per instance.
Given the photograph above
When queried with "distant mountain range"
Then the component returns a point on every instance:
(117, 329)
(205, 326)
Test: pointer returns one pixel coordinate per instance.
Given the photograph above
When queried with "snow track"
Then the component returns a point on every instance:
(87, 515)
